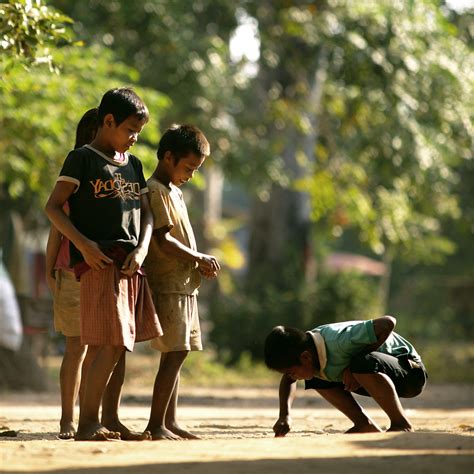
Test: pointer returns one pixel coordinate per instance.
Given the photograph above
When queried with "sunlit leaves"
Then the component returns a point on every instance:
(28, 31)
(40, 111)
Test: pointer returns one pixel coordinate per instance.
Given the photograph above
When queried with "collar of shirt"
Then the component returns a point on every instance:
(321, 350)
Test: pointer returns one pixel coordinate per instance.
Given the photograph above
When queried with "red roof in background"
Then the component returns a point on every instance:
(340, 261)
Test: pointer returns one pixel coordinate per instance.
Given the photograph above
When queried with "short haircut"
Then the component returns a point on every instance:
(283, 347)
(181, 140)
(87, 128)
(122, 103)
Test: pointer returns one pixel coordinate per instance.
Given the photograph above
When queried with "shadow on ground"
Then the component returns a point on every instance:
(460, 464)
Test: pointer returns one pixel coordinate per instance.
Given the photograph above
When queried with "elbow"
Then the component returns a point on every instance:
(47, 209)
(163, 242)
(391, 322)
(387, 324)
(383, 327)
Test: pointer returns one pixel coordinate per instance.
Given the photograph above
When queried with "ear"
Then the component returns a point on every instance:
(109, 120)
(306, 358)
(168, 157)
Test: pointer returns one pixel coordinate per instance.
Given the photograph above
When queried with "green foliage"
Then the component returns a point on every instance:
(41, 111)
(394, 121)
(238, 325)
(433, 305)
(365, 107)
(344, 296)
(206, 369)
(448, 362)
(28, 29)
(179, 48)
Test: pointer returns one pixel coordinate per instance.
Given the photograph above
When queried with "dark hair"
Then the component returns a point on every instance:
(122, 103)
(283, 347)
(181, 140)
(87, 127)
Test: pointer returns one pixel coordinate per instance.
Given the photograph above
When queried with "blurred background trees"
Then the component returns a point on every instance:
(340, 184)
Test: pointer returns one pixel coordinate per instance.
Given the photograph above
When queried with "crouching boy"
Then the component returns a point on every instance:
(365, 357)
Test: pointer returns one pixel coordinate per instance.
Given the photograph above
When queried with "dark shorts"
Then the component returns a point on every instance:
(408, 375)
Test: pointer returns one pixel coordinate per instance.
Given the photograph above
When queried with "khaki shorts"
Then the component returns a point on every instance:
(180, 322)
(67, 309)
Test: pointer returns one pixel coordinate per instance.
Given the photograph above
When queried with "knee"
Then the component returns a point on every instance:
(74, 348)
(411, 393)
(113, 352)
(415, 387)
(181, 355)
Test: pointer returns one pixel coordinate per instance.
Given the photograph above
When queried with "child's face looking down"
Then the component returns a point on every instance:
(304, 371)
(181, 172)
(125, 135)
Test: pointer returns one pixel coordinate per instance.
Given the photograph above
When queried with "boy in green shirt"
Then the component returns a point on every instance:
(365, 357)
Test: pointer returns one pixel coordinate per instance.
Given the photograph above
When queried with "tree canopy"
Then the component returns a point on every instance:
(353, 123)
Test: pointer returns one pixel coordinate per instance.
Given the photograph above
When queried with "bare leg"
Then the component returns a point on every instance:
(90, 356)
(69, 379)
(111, 402)
(170, 418)
(382, 390)
(347, 404)
(98, 376)
(165, 382)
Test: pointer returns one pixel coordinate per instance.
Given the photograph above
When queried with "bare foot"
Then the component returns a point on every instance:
(126, 434)
(66, 430)
(401, 427)
(364, 428)
(162, 433)
(182, 433)
(95, 432)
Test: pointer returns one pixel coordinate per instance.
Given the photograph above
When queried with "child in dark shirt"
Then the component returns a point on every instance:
(109, 227)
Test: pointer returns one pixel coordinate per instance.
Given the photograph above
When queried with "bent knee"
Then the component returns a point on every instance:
(411, 392)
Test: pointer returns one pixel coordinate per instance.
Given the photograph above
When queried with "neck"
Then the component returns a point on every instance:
(162, 176)
(314, 353)
(102, 145)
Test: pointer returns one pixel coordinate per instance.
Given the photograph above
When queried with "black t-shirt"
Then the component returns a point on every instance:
(105, 206)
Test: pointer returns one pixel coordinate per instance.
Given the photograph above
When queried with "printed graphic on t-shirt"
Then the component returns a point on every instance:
(116, 187)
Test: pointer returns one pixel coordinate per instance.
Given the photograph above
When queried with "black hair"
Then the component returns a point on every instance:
(122, 103)
(283, 347)
(87, 127)
(181, 140)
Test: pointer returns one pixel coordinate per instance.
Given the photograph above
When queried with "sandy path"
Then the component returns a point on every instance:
(237, 437)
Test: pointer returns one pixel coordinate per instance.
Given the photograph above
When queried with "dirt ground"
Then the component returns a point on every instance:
(235, 426)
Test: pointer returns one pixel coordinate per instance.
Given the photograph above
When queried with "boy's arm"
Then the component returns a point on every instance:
(135, 259)
(55, 212)
(383, 327)
(286, 395)
(52, 250)
(174, 247)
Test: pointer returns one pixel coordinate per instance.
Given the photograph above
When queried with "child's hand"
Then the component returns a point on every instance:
(282, 426)
(350, 383)
(51, 280)
(133, 262)
(93, 256)
(207, 264)
(206, 274)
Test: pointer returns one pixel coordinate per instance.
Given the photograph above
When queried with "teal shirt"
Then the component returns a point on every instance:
(345, 340)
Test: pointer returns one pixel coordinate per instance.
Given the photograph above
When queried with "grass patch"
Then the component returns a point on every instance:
(201, 369)
(446, 362)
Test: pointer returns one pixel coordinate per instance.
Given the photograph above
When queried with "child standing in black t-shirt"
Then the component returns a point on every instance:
(109, 227)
